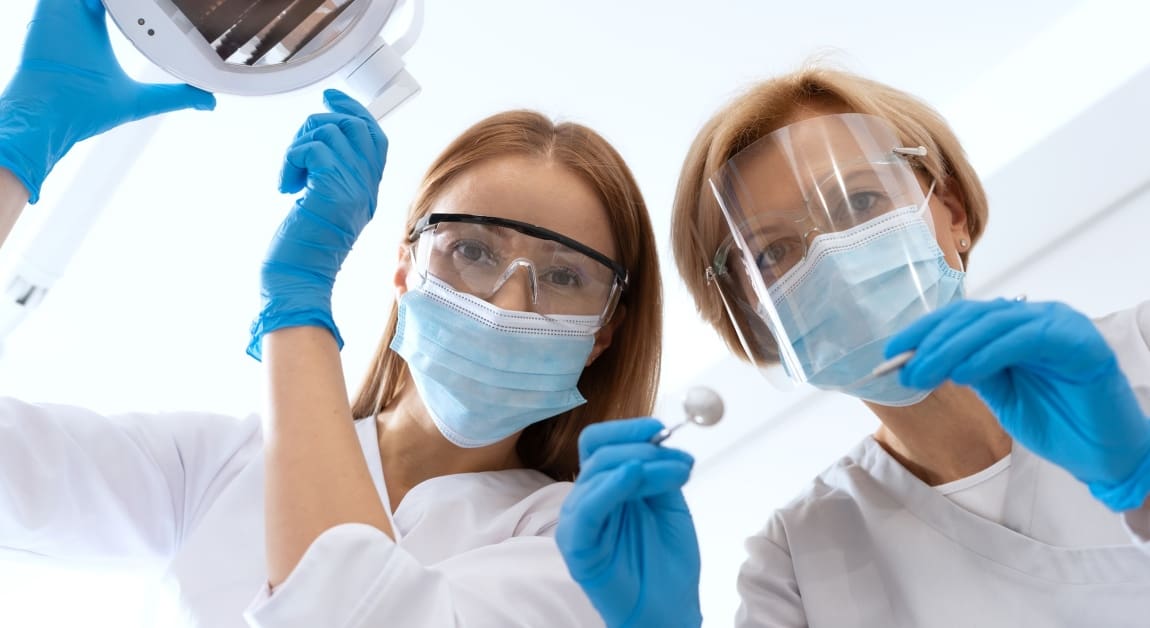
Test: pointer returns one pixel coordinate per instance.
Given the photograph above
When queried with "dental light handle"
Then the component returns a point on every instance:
(377, 76)
(70, 215)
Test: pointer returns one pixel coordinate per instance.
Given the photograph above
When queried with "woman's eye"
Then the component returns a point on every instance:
(780, 254)
(563, 278)
(863, 202)
(855, 208)
(471, 251)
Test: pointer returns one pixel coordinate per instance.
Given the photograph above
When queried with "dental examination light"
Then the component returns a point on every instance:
(239, 47)
(259, 47)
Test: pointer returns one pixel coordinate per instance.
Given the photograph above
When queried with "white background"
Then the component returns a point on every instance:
(1048, 98)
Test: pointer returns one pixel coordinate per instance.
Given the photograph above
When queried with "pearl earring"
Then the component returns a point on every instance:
(962, 243)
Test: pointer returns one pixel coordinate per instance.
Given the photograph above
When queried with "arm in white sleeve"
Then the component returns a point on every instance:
(767, 584)
(355, 576)
(80, 487)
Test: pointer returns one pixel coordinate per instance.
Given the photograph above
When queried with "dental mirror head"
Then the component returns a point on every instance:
(702, 406)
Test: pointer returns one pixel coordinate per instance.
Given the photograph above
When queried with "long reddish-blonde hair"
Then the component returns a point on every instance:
(623, 380)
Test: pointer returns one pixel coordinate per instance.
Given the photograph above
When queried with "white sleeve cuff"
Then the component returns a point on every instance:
(327, 587)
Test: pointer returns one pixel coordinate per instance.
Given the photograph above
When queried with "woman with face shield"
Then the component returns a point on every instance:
(528, 306)
(823, 223)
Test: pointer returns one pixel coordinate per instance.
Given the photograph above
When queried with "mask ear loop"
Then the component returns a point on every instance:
(925, 207)
(926, 199)
(920, 151)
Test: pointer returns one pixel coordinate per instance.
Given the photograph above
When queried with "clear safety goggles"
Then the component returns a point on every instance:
(804, 192)
(479, 255)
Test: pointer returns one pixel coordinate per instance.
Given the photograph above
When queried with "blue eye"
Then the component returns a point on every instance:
(778, 256)
(563, 278)
(862, 202)
(472, 251)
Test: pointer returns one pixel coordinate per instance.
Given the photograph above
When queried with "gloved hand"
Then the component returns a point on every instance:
(1049, 376)
(625, 530)
(337, 158)
(69, 87)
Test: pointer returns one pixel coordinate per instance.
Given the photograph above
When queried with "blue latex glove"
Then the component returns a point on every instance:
(337, 158)
(625, 530)
(1049, 376)
(69, 87)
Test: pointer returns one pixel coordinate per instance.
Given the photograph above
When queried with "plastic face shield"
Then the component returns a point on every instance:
(814, 190)
(562, 279)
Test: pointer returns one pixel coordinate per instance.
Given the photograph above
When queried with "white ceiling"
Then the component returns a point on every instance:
(160, 295)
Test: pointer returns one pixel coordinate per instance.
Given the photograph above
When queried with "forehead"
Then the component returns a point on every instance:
(784, 169)
(534, 190)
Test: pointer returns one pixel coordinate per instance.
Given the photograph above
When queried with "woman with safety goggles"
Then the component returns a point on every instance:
(527, 279)
(528, 306)
(823, 223)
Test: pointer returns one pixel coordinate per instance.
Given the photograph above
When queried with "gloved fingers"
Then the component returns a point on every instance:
(356, 130)
(81, 22)
(1012, 348)
(293, 177)
(950, 346)
(999, 392)
(611, 456)
(301, 159)
(616, 432)
(952, 316)
(592, 501)
(339, 102)
(157, 99)
(334, 136)
(68, 9)
(305, 158)
(1072, 341)
(663, 477)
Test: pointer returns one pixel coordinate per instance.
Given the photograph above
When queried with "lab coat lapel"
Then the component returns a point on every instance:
(1107, 565)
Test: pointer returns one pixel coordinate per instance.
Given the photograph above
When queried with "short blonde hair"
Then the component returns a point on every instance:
(698, 228)
(623, 380)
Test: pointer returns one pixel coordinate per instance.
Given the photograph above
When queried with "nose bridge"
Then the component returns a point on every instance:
(504, 298)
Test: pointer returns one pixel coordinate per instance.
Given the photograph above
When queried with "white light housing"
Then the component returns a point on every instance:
(242, 47)
(260, 47)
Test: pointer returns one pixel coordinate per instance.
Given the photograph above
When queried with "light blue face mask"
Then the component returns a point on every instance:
(856, 289)
(485, 373)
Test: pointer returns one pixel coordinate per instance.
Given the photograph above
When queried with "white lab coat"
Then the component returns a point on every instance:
(868, 544)
(473, 549)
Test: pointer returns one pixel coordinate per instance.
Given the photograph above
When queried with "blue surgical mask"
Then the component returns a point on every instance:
(485, 373)
(854, 291)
